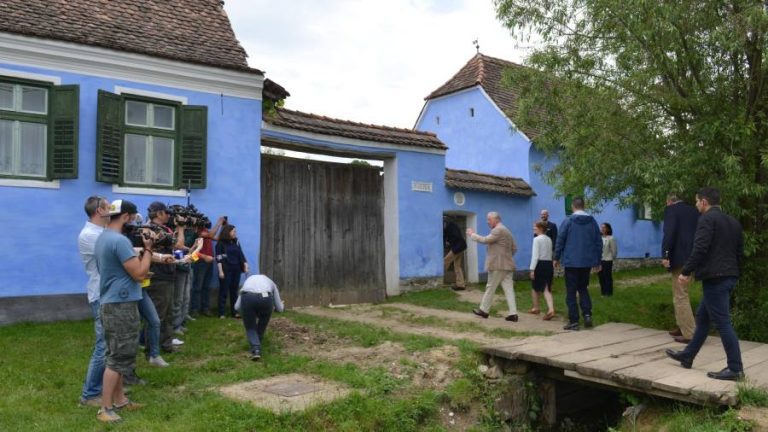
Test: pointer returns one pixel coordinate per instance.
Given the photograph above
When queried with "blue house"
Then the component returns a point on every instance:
(139, 100)
(500, 168)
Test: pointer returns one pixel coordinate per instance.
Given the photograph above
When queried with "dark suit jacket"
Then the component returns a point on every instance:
(552, 232)
(718, 247)
(680, 221)
(452, 236)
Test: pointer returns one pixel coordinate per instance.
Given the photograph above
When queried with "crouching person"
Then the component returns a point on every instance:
(120, 270)
(258, 298)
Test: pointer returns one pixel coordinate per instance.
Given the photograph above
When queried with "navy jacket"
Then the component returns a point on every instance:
(680, 221)
(579, 243)
(452, 236)
(552, 232)
(718, 247)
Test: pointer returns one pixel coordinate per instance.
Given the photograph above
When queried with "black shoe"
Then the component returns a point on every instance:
(255, 356)
(512, 318)
(480, 313)
(588, 321)
(685, 361)
(571, 326)
(726, 374)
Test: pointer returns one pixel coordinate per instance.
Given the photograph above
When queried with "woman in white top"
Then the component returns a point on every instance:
(258, 298)
(610, 250)
(542, 271)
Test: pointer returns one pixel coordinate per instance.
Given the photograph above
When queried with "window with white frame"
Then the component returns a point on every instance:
(23, 130)
(150, 136)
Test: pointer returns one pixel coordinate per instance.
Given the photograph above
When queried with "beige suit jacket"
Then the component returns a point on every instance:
(501, 248)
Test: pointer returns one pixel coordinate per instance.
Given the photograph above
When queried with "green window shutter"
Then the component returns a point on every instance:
(194, 146)
(568, 202)
(109, 138)
(63, 127)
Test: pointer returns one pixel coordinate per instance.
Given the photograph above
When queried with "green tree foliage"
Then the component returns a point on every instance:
(638, 98)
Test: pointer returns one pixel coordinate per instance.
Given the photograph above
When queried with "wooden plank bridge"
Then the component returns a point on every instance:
(628, 357)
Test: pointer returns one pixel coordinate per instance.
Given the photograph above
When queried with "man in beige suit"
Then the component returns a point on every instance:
(499, 264)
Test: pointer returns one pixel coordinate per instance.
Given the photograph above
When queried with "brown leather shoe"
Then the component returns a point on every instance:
(675, 332)
(481, 313)
(512, 318)
(680, 339)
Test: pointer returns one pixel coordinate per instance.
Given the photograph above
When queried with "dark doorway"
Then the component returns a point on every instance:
(322, 231)
(449, 277)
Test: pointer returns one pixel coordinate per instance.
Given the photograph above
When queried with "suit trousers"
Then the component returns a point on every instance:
(496, 277)
(682, 302)
(458, 268)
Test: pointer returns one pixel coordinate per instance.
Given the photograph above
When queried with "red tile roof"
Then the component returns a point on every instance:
(329, 126)
(193, 31)
(462, 179)
(487, 72)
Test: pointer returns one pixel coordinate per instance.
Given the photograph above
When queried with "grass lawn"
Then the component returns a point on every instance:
(43, 365)
(641, 296)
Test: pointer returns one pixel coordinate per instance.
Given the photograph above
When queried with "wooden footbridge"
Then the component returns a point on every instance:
(628, 357)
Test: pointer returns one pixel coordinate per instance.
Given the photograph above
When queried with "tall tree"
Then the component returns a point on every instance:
(641, 97)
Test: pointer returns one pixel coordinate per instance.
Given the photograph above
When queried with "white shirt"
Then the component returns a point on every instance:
(86, 242)
(542, 250)
(260, 284)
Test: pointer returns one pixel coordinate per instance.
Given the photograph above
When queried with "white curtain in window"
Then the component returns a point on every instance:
(34, 100)
(32, 149)
(135, 158)
(162, 161)
(6, 147)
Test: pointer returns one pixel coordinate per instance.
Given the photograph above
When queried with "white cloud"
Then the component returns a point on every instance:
(366, 60)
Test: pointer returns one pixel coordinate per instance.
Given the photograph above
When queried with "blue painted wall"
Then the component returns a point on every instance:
(485, 143)
(41, 225)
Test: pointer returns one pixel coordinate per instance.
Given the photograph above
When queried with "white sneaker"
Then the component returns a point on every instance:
(177, 342)
(158, 361)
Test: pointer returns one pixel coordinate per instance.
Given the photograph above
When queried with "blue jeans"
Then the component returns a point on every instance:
(577, 281)
(715, 308)
(95, 374)
(201, 286)
(149, 314)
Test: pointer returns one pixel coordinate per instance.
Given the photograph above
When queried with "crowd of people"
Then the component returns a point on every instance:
(146, 282)
(700, 241)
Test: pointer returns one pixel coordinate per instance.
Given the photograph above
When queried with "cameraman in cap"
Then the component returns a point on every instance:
(161, 285)
(120, 270)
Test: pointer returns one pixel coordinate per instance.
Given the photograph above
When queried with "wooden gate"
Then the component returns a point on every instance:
(322, 231)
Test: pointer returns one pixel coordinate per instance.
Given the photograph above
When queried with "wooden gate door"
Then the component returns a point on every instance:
(322, 231)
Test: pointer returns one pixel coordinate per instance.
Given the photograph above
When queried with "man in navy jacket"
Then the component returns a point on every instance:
(718, 250)
(680, 221)
(579, 249)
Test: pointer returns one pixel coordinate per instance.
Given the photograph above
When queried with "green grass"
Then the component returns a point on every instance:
(43, 365)
(753, 396)
(646, 304)
(686, 418)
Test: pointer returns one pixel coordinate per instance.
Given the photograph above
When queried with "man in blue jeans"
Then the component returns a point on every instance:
(579, 249)
(97, 210)
(718, 250)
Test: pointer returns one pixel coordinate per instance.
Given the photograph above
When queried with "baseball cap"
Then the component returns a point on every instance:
(118, 207)
(156, 207)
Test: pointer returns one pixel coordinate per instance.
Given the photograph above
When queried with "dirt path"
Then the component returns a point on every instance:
(644, 280)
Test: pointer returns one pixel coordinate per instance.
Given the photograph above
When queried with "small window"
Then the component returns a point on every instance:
(147, 142)
(568, 202)
(437, 119)
(38, 130)
(644, 212)
(471, 112)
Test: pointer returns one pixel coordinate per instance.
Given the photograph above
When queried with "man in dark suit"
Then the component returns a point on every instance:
(551, 227)
(455, 241)
(718, 251)
(680, 220)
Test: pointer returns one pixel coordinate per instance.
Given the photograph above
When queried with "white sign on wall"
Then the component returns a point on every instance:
(458, 199)
(421, 186)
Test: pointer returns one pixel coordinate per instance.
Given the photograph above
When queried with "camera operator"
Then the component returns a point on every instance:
(185, 236)
(120, 270)
(202, 270)
(161, 285)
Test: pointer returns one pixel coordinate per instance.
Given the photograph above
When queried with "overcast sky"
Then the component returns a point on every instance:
(371, 61)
